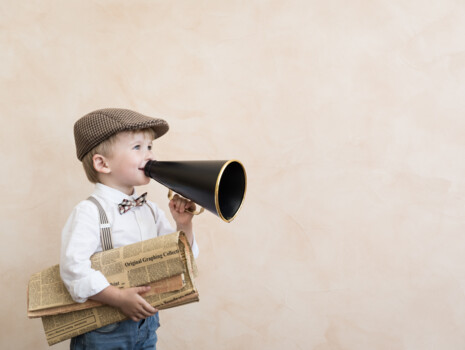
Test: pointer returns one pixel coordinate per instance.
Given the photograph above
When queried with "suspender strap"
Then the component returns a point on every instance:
(153, 213)
(105, 229)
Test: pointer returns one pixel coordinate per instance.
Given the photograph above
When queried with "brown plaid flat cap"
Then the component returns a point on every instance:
(97, 126)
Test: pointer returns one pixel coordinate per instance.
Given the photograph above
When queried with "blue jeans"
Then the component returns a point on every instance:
(125, 335)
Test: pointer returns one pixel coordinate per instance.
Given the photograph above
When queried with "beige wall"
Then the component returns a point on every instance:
(349, 118)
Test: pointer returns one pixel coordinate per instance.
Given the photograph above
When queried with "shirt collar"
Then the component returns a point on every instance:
(112, 194)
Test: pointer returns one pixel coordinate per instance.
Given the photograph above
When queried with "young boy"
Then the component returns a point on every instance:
(114, 145)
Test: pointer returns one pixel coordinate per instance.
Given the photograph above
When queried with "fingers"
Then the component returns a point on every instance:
(135, 306)
(190, 206)
(143, 310)
(144, 313)
(146, 308)
(149, 310)
(180, 204)
(141, 290)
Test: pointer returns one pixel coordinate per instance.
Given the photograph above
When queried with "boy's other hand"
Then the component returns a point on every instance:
(129, 301)
(178, 208)
(133, 305)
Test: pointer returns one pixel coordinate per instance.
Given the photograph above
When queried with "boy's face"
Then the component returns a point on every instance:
(129, 154)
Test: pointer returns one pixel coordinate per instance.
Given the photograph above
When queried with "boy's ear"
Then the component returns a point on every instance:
(100, 164)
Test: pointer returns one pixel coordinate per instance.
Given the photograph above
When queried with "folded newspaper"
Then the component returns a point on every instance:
(165, 263)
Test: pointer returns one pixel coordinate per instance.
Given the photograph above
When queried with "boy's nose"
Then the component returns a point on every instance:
(149, 155)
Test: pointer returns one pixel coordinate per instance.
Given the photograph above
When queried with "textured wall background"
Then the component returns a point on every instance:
(348, 116)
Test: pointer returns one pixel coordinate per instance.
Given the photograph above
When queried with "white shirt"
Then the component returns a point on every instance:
(80, 238)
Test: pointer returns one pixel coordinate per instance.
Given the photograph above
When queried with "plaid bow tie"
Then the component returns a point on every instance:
(127, 204)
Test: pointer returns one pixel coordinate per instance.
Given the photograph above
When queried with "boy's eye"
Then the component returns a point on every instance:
(150, 147)
(136, 147)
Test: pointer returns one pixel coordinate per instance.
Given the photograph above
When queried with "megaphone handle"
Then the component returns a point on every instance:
(196, 212)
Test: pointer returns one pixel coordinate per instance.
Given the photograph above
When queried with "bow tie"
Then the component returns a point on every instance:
(127, 204)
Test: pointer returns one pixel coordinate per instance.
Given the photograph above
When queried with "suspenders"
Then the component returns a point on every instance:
(105, 228)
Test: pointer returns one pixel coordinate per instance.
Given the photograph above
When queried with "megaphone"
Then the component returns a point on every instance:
(216, 185)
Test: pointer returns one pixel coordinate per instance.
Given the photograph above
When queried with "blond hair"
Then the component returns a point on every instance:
(105, 149)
